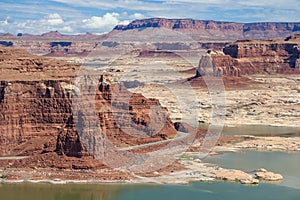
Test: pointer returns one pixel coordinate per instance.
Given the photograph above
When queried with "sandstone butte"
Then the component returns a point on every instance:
(247, 57)
(36, 114)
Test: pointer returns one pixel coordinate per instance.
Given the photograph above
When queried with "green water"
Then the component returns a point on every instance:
(206, 191)
(262, 130)
(287, 164)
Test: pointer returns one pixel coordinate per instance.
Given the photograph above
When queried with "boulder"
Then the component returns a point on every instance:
(265, 175)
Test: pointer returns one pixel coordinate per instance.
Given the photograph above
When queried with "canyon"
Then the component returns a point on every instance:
(37, 119)
(147, 83)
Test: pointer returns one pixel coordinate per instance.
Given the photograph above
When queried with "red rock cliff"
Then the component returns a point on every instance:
(271, 56)
(217, 30)
(253, 57)
(36, 113)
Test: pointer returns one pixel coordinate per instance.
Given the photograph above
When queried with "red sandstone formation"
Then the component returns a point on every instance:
(52, 34)
(206, 29)
(246, 57)
(36, 113)
(53, 43)
(261, 56)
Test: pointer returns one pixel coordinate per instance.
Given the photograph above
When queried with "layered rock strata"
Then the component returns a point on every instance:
(216, 30)
(248, 57)
(36, 113)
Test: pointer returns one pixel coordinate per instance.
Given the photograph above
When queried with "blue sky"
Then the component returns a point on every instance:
(80, 16)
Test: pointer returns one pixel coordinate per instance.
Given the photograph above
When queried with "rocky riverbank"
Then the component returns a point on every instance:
(196, 170)
(260, 143)
(187, 169)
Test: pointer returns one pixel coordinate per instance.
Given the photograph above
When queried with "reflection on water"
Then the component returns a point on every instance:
(206, 191)
(287, 164)
(29, 191)
(263, 130)
(53, 192)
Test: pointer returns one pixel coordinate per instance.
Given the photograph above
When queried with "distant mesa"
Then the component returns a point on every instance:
(52, 34)
(157, 37)
(216, 29)
(6, 34)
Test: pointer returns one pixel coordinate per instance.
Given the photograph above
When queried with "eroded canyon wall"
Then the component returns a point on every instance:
(246, 57)
(36, 119)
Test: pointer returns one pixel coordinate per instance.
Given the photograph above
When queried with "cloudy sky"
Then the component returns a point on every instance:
(99, 16)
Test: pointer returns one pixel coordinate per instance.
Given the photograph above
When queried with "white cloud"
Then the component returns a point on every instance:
(223, 10)
(74, 16)
(163, 5)
(108, 20)
(67, 29)
(137, 16)
(104, 23)
(4, 22)
(54, 19)
(108, 4)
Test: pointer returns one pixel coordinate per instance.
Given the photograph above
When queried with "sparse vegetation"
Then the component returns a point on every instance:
(3, 176)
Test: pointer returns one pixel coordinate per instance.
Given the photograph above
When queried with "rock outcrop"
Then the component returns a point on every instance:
(217, 65)
(266, 56)
(207, 29)
(265, 175)
(53, 44)
(234, 175)
(246, 57)
(36, 113)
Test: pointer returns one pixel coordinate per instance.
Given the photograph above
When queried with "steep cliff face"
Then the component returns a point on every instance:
(270, 29)
(254, 57)
(260, 56)
(216, 64)
(36, 116)
(32, 112)
(179, 24)
(215, 29)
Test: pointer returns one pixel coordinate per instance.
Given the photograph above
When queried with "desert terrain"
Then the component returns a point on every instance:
(137, 88)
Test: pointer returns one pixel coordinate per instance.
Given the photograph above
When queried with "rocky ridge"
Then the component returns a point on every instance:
(37, 120)
(164, 34)
(247, 57)
(216, 29)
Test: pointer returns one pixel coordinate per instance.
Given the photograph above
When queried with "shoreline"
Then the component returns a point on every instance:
(194, 169)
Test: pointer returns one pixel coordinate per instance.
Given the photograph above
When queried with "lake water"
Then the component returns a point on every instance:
(262, 130)
(287, 164)
(197, 191)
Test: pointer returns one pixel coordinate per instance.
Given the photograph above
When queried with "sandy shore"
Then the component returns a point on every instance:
(193, 169)
(260, 143)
